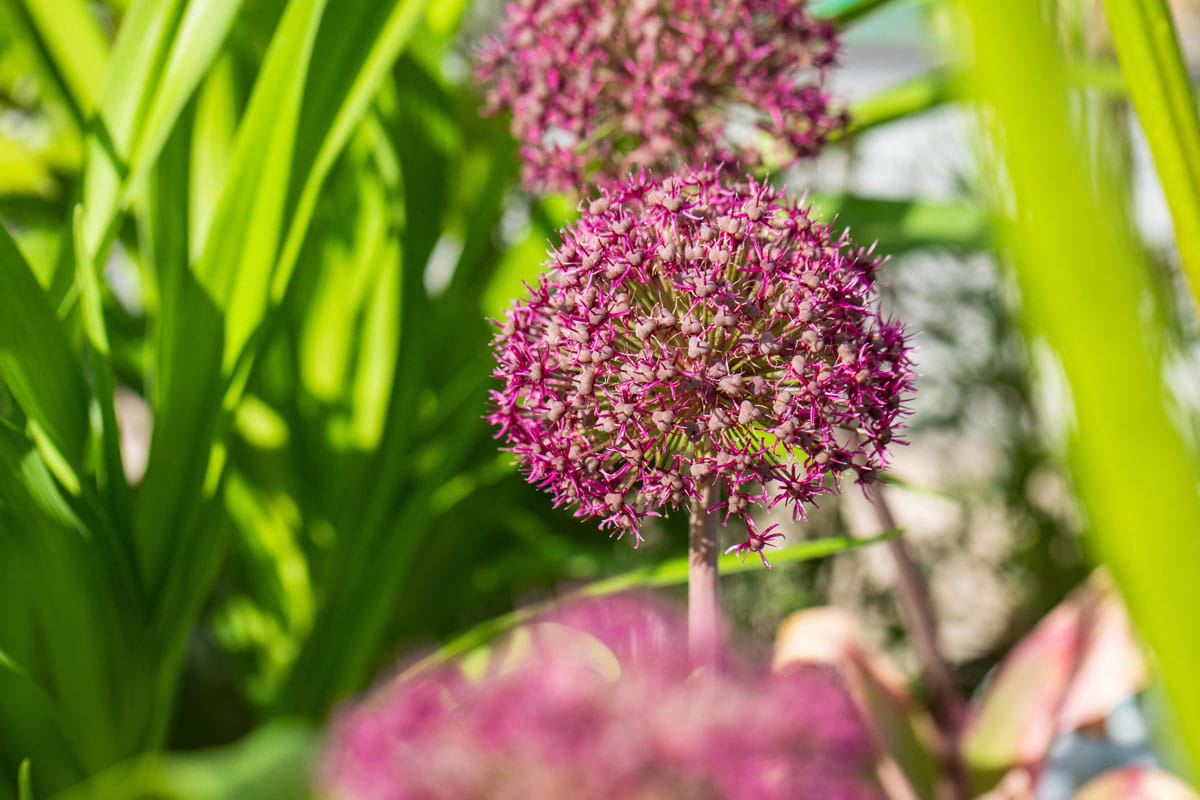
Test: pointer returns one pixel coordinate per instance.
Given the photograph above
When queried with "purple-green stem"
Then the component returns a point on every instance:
(916, 611)
(704, 603)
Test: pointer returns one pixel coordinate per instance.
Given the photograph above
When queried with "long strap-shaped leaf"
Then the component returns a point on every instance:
(1084, 288)
(1157, 80)
(224, 299)
(68, 44)
(667, 573)
(39, 368)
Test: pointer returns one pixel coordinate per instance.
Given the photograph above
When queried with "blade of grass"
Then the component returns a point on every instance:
(905, 99)
(1157, 79)
(672, 572)
(846, 11)
(1087, 300)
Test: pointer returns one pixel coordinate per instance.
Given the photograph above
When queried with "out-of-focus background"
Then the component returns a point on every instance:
(244, 366)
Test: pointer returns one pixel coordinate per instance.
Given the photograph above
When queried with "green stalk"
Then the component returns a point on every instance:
(1157, 78)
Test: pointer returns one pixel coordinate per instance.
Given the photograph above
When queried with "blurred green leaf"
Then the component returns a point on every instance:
(846, 11)
(69, 44)
(112, 472)
(24, 786)
(37, 365)
(1157, 79)
(673, 572)
(275, 762)
(1086, 296)
(900, 101)
(233, 276)
(901, 226)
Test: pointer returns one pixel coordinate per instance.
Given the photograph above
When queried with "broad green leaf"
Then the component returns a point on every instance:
(215, 128)
(39, 368)
(275, 762)
(1087, 304)
(1157, 80)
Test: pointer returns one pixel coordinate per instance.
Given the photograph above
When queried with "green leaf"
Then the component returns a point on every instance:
(846, 11)
(39, 368)
(69, 44)
(239, 257)
(1087, 298)
(112, 472)
(1157, 79)
(673, 572)
(232, 278)
(24, 784)
(903, 100)
(354, 52)
(275, 762)
(201, 32)
(900, 226)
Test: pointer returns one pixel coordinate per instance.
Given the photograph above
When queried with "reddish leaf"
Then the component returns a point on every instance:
(1076, 665)
(904, 730)
(1136, 783)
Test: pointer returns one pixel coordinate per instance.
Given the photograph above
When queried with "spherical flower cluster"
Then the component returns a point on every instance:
(599, 88)
(689, 332)
(594, 704)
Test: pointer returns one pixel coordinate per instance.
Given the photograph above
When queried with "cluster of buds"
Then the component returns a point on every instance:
(595, 702)
(601, 88)
(689, 331)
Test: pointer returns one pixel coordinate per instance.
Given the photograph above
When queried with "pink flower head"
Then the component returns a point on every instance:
(599, 88)
(596, 703)
(686, 332)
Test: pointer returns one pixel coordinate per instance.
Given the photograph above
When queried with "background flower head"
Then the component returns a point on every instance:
(593, 703)
(689, 331)
(598, 88)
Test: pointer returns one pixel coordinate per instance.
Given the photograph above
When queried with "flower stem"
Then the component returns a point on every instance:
(916, 611)
(704, 605)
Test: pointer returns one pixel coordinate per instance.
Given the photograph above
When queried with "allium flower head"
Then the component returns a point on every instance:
(686, 332)
(599, 88)
(596, 704)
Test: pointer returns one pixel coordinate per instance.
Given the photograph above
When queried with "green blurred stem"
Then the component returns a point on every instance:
(916, 610)
(704, 601)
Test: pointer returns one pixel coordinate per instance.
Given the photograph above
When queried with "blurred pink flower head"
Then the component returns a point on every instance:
(599, 88)
(687, 332)
(596, 703)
